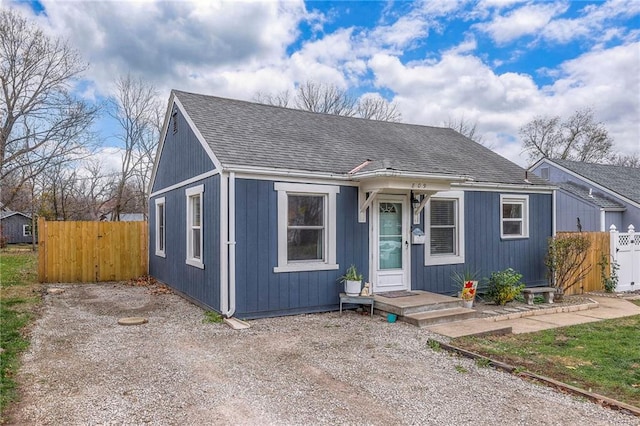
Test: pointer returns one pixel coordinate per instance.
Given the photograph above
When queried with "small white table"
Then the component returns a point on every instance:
(360, 300)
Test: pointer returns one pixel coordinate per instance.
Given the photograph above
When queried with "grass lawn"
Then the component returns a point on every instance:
(20, 298)
(602, 356)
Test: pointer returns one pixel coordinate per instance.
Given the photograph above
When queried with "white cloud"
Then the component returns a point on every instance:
(609, 82)
(174, 41)
(459, 86)
(525, 20)
(236, 49)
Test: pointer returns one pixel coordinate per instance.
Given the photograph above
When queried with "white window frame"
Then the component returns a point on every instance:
(24, 231)
(329, 192)
(445, 259)
(515, 199)
(161, 251)
(196, 191)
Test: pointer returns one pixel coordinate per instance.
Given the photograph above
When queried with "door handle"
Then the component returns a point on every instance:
(406, 244)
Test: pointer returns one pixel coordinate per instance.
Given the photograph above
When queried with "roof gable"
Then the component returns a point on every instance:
(8, 213)
(254, 135)
(624, 181)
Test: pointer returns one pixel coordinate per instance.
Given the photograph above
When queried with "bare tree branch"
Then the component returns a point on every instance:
(136, 109)
(40, 122)
(577, 138)
(330, 99)
(465, 127)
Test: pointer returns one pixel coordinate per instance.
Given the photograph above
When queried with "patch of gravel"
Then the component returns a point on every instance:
(84, 368)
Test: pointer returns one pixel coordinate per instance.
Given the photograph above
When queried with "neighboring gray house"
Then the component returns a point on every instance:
(257, 210)
(16, 227)
(599, 195)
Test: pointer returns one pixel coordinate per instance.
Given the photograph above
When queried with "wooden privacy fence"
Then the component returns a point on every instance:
(91, 251)
(599, 246)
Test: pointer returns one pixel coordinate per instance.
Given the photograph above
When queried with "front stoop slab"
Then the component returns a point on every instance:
(423, 302)
(440, 316)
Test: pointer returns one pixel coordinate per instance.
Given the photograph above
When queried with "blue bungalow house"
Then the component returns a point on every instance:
(257, 210)
(592, 197)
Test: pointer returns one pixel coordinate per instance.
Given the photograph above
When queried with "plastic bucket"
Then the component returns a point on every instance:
(392, 317)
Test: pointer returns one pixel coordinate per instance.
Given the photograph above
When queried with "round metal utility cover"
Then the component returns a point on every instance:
(132, 321)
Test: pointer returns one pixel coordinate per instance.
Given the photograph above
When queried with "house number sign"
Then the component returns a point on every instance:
(418, 185)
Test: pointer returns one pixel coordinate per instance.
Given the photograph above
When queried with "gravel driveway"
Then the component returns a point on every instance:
(84, 368)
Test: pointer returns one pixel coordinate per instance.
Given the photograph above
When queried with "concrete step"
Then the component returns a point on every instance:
(423, 319)
(410, 308)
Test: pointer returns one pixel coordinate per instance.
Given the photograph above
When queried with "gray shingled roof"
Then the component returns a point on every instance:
(596, 197)
(622, 180)
(8, 213)
(248, 134)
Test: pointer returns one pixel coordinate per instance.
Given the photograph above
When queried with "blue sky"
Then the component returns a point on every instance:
(498, 63)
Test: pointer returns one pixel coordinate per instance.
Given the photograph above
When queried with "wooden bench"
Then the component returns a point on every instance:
(547, 292)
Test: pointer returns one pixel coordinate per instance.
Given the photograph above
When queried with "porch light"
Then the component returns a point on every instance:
(415, 202)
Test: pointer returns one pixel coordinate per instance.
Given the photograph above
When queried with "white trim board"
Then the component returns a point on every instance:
(184, 183)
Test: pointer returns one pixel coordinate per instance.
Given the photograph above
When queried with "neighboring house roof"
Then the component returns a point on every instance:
(587, 194)
(8, 213)
(254, 135)
(624, 181)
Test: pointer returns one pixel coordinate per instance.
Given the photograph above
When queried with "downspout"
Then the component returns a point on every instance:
(232, 244)
(603, 221)
(224, 247)
(553, 213)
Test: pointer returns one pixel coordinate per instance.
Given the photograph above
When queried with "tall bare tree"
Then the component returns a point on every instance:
(578, 137)
(40, 120)
(135, 107)
(330, 99)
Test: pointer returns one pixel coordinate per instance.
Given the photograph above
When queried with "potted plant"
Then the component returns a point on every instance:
(352, 281)
(468, 293)
(460, 279)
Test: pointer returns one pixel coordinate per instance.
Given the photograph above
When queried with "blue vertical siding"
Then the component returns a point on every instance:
(564, 216)
(617, 219)
(259, 291)
(12, 228)
(202, 285)
(182, 156)
(485, 251)
(570, 208)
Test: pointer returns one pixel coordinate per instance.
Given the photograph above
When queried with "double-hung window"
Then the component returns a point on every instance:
(160, 227)
(514, 216)
(444, 228)
(194, 226)
(26, 230)
(306, 227)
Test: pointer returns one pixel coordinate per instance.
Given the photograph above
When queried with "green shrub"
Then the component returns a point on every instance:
(609, 282)
(566, 260)
(504, 286)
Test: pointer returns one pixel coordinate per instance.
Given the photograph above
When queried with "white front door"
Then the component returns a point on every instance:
(390, 248)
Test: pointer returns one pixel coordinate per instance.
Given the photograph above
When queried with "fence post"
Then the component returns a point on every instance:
(632, 246)
(613, 243)
(42, 249)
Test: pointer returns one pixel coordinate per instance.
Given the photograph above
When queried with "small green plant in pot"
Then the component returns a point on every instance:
(352, 280)
(504, 286)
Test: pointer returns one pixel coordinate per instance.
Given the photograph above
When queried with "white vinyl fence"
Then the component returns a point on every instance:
(625, 251)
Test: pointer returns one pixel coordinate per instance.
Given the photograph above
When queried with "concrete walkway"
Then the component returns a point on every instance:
(609, 307)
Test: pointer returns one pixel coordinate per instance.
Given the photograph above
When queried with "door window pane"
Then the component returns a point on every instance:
(390, 236)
